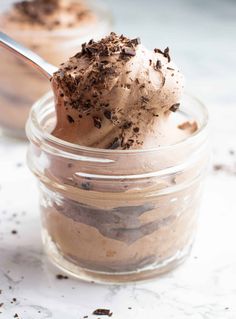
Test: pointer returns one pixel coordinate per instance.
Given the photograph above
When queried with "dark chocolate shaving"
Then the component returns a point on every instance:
(127, 125)
(108, 114)
(115, 144)
(165, 53)
(136, 41)
(174, 107)
(61, 277)
(70, 119)
(129, 51)
(158, 65)
(144, 99)
(97, 122)
(102, 312)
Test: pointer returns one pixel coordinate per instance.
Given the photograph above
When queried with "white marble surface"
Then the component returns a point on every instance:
(202, 36)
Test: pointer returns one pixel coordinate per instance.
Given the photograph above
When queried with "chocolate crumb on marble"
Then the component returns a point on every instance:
(218, 167)
(61, 277)
(102, 312)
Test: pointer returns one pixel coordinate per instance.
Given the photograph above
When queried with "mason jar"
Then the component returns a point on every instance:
(117, 215)
(20, 85)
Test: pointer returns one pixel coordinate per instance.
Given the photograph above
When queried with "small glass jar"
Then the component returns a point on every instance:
(117, 215)
(20, 85)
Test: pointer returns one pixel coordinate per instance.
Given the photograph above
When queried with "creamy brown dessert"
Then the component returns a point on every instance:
(113, 218)
(117, 94)
(52, 28)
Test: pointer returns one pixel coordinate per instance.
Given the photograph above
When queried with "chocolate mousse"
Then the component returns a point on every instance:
(116, 95)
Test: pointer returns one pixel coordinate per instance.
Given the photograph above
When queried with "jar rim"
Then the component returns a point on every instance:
(55, 142)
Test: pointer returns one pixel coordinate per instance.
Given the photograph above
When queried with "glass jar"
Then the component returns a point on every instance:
(117, 215)
(20, 85)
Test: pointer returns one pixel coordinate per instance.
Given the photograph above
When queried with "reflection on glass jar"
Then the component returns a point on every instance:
(57, 38)
(115, 215)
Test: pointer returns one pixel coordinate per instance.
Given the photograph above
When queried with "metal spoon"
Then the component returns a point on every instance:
(28, 56)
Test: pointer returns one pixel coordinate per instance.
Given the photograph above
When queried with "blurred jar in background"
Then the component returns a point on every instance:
(55, 29)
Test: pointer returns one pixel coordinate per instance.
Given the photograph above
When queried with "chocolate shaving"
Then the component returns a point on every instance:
(115, 144)
(158, 65)
(174, 107)
(102, 312)
(144, 99)
(70, 119)
(165, 53)
(129, 51)
(218, 167)
(136, 41)
(61, 277)
(108, 114)
(97, 122)
(127, 125)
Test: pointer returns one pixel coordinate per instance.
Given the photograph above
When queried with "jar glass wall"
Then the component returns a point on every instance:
(20, 85)
(114, 215)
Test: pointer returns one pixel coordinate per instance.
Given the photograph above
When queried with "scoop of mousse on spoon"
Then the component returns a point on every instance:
(114, 94)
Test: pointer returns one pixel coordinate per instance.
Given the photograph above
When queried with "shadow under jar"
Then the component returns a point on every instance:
(114, 215)
(20, 85)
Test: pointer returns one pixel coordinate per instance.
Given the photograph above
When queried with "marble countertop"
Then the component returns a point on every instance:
(201, 34)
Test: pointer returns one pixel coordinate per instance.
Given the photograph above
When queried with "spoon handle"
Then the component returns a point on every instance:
(27, 55)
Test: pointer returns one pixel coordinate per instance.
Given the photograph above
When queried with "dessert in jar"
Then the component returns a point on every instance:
(120, 154)
(54, 29)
